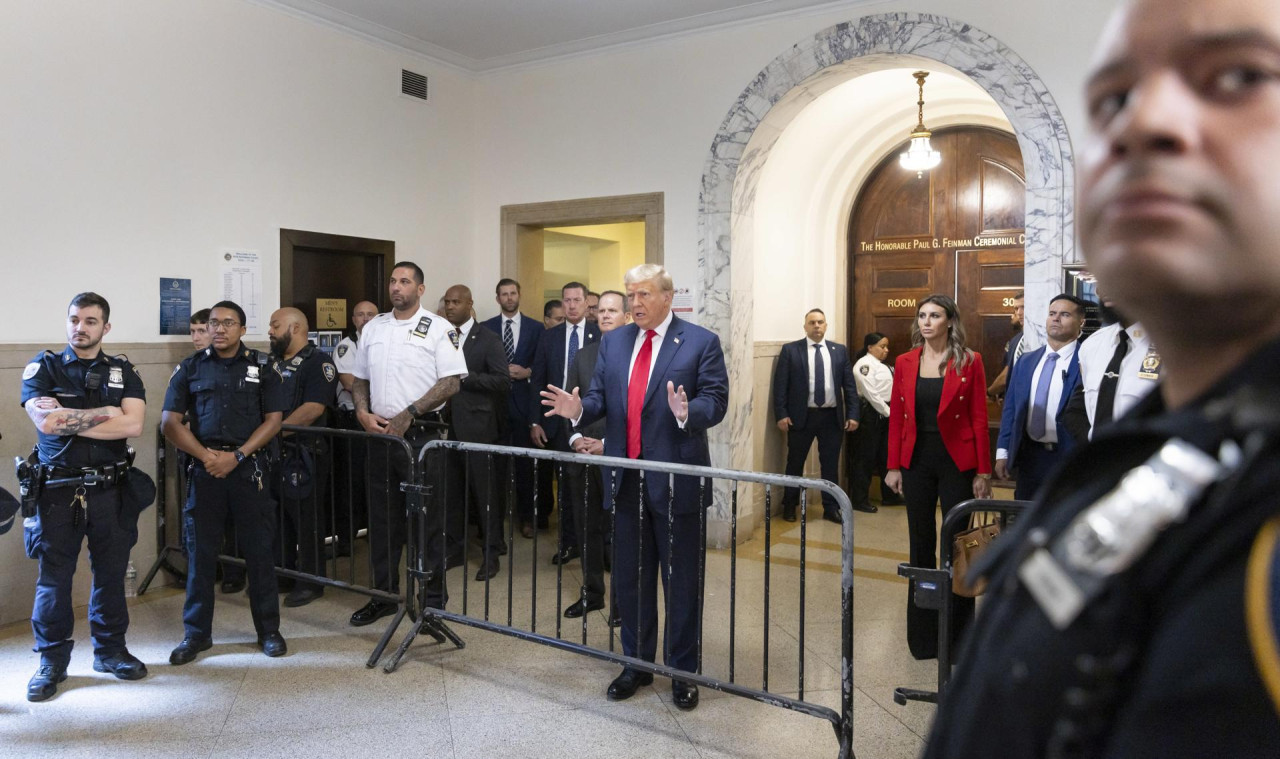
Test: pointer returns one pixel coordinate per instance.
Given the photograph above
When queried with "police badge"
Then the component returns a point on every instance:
(329, 372)
(1150, 369)
(424, 324)
(251, 374)
(115, 377)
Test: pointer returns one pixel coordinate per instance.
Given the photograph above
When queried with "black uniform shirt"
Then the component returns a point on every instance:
(308, 377)
(66, 378)
(1159, 664)
(226, 397)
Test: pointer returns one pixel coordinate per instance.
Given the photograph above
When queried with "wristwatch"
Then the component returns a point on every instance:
(240, 457)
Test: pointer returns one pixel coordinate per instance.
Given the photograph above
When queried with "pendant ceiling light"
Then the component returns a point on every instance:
(920, 155)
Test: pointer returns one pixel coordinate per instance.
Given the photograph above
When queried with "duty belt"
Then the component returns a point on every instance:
(109, 475)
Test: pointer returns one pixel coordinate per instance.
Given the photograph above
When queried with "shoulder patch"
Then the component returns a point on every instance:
(864, 369)
(330, 373)
(1262, 606)
(176, 367)
(453, 337)
(342, 350)
(31, 370)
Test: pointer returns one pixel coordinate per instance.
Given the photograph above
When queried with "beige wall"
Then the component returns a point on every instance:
(155, 361)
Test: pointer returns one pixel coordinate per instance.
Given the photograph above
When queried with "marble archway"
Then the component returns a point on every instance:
(777, 94)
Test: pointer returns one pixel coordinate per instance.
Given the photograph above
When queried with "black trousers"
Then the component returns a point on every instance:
(648, 546)
(350, 513)
(584, 497)
(473, 489)
(869, 449)
(388, 466)
(210, 500)
(521, 468)
(303, 524)
(53, 538)
(570, 532)
(825, 426)
(932, 477)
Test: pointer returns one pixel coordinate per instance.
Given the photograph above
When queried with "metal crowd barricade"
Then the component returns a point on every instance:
(428, 501)
(933, 586)
(319, 539)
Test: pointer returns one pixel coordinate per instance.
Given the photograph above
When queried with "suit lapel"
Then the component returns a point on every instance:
(950, 386)
(621, 359)
(670, 344)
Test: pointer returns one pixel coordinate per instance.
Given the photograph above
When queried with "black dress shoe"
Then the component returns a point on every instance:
(575, 610)
(624, 686)
(833, 516)
(187, 650)
(526, 530)
(273, 645)
(488, 569)
(789, 513)
(122, 664)
(868, 508)
(372, 612)
(566, 555)
(44, 683)
(615, 620)
(301, 595)
(233, 586)
(684, 695)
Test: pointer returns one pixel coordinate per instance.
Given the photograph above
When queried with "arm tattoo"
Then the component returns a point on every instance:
(74, 421)
(360, 394)
(439, 393)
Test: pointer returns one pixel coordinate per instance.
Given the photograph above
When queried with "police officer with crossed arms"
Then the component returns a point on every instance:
(85, 405)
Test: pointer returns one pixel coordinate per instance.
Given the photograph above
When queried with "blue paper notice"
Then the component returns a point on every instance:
(175, 306)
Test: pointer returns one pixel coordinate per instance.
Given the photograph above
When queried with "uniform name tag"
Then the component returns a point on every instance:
(1053, 590)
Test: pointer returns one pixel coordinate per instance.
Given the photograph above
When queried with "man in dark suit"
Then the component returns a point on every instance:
(520, 337)
(657, 358)
(586, 493)
(814, 396)
(1033, 438)
(551, 365)
(477, 414)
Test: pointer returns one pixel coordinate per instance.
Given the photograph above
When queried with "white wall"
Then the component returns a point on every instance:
(140, 137)
(641, 118)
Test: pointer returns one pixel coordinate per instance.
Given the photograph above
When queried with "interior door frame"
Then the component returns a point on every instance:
(298, 238)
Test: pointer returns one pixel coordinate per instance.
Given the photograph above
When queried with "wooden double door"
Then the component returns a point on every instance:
(956, 230)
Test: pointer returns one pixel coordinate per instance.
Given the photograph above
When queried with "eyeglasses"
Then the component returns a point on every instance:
(214, 324)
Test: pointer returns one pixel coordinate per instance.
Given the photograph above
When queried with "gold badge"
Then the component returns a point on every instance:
(1150, 368)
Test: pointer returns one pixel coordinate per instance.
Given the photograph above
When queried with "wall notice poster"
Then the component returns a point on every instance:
(331, 313)
(175, 306)
(241, 273)
(682, 301)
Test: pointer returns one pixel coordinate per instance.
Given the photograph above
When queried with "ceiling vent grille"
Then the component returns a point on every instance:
(412, 84)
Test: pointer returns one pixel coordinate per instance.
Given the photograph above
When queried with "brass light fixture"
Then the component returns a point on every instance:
(920, 155)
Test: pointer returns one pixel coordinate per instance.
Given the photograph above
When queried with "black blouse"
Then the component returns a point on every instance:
(928, 400)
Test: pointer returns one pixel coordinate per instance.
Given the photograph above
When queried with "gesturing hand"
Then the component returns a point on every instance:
(678, 401)
(557, 401)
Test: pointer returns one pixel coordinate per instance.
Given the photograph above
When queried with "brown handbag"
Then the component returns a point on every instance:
(967, 547)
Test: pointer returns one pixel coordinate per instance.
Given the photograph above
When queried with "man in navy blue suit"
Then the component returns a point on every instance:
(1032, 439)
(814, 396)
(551, 364)
(520, 339)
(657, 358)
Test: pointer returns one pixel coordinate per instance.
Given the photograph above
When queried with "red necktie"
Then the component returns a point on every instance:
(635, 394)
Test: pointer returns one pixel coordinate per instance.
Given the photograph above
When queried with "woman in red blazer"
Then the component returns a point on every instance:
(939, 449)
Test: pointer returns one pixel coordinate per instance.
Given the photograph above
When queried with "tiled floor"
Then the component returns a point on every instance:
(498, 697)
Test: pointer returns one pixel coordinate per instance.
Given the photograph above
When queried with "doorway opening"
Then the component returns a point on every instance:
(592, 240)
(325, 275)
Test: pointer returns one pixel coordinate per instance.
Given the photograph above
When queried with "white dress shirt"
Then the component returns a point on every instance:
(465, 330)
(581, 328)
(1095, 355)
(827, 384)
(344, 358)
(514, 321)
(875, 382)
(1050, 435)
(403, 360)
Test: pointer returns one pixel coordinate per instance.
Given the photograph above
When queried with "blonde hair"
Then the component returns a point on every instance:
(648, 272)
(956, 353)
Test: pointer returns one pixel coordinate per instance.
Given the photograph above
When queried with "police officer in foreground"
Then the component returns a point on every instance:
(309, 383)
(408, 364)
(236, 405)
(85, 405)
(1133, 611)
